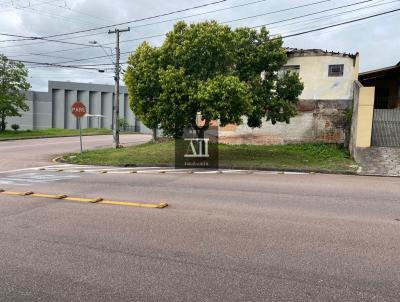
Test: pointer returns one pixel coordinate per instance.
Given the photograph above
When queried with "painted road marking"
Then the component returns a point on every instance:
(135, 204)
(88, 200)
(33, 178)
(91, 200)
(32, 168)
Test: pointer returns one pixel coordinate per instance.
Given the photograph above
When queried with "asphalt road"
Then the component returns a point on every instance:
(34, 152)
(223, 237)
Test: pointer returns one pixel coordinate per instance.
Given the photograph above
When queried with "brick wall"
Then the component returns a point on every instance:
(317, 121)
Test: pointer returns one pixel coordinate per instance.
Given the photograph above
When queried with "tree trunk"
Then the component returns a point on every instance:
(3, 123)
(154, 134)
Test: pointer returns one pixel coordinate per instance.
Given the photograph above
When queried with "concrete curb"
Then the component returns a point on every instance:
(44, 136)
(60, 159)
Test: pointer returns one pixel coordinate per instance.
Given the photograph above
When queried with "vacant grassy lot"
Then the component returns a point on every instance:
(306, 157)
(54, 132)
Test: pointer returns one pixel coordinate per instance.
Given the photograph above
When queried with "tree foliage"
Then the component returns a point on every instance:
(12, 84)
(226, 74)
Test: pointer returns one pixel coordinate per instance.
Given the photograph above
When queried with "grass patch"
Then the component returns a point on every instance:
(305, 157)
(53, 132)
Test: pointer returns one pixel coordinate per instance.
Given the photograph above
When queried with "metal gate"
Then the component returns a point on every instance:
(386, 128)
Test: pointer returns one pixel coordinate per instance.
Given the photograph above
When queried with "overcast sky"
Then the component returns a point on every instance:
(377, 40)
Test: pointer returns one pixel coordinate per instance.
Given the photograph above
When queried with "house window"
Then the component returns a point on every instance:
(289, 69)
(336, 70)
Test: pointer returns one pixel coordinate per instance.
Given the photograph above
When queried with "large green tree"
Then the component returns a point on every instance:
(12, 85)
(208, 67)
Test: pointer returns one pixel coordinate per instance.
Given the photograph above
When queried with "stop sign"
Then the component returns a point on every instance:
(78, 109)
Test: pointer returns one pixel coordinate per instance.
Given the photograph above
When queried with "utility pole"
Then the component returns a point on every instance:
(115, 119)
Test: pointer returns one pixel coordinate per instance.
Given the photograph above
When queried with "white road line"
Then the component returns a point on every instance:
(151, 171)
(106, 143)
(295, 173)
(207, 172)
(29, 178)
(31, 168)
(5, 182)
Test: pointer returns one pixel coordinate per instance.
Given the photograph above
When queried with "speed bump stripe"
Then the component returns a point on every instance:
(54, 196)
(135, 204)
(92, 200)
(17, 193)
(88, 200)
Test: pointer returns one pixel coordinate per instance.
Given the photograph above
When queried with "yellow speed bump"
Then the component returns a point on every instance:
(136, 204)
(90, 200)
(53, 196)
(18, 193)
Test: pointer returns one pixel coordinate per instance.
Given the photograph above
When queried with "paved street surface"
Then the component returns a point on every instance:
(33, 152)
(224, 237)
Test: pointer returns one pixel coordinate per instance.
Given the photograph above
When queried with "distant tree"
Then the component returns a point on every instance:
(142, 80)
(12, 84)
(210, 68)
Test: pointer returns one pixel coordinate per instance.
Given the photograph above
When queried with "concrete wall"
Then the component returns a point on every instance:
(26, 119)
(363, 112)
(364, 117)
(317, 84)
(42, 111)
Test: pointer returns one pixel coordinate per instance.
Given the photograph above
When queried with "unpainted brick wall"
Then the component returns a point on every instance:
(317, 121)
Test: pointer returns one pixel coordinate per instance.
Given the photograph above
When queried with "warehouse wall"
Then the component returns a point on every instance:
(52, 109)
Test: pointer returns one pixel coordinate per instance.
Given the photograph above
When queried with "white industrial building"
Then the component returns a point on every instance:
(52, 109)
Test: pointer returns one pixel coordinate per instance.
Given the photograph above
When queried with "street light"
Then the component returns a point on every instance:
(115, 118)
(104, 49)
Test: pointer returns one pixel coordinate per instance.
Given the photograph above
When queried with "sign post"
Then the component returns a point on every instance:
(79, 110)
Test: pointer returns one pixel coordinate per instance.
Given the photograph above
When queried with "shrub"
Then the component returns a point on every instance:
(123, 123)
(15, 127)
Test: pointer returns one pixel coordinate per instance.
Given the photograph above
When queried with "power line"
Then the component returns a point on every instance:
(313, 20)
(46, 39)
(304, 32)
(137, 20)
(267, 13)
(41, 38)
(54, 65)
(332, 25)
(29, 9)
(198, 14)
(326, 27)
(280, 21)
(302, 16)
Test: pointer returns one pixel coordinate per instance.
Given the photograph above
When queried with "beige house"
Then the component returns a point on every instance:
(328, 79)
